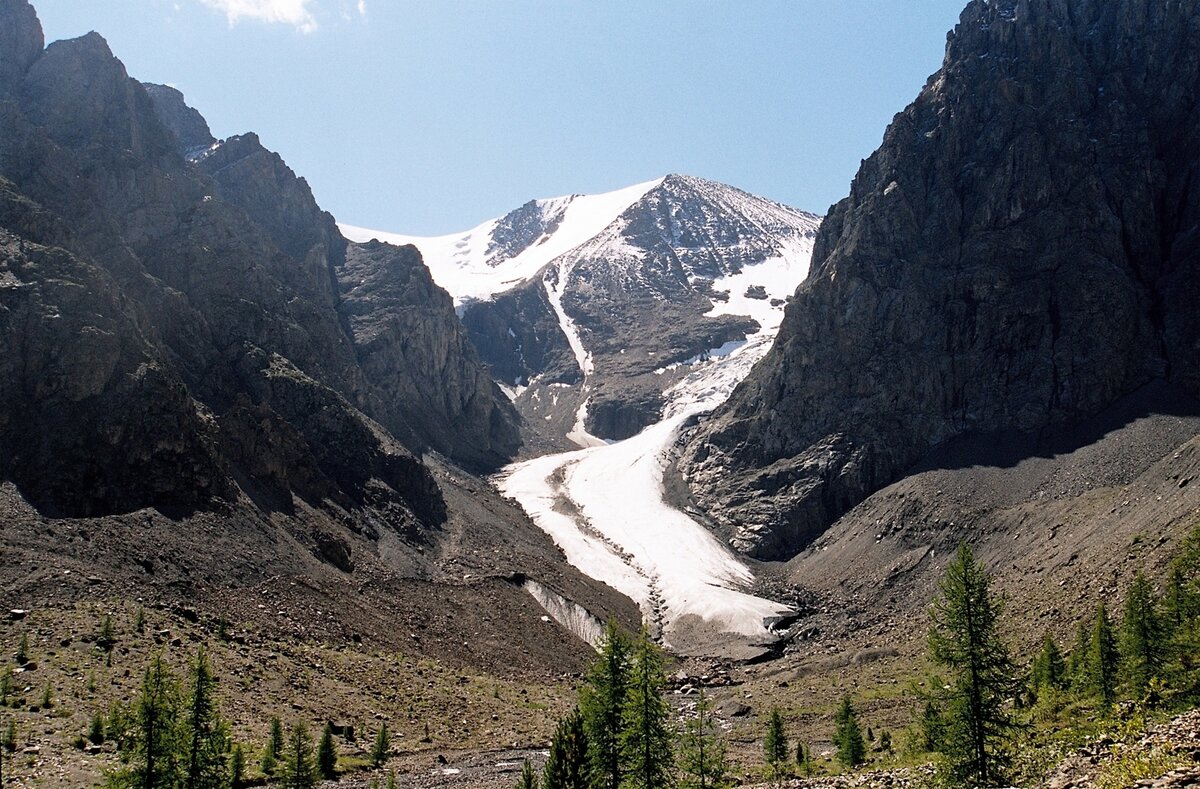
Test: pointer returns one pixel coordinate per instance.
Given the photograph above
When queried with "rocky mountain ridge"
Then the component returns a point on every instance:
(587, 308)
(223, 275)
(1020, 253)
(205, 389)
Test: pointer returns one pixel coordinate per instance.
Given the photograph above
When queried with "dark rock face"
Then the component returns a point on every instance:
(173, 330)
(189, 127)
(258, 181)
(80, 94)
(642, 314)
(94, 419)
(425, 373)
(519, 336)
(1020, 252)
(520, 229)
(21, 41)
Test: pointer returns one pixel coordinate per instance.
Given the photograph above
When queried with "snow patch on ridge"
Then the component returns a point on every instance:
(460, 263)
(778, 276)
(712, 353)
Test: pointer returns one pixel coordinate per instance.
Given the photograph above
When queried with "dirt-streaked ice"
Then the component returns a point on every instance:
(604, 504)
(605, 507)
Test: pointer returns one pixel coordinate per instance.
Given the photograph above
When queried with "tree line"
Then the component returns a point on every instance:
(622, 733)
(621, 737)
(172, 736)
(1150, 659)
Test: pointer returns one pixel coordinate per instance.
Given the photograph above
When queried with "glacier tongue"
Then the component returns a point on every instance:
(637, 268)
(605, 506)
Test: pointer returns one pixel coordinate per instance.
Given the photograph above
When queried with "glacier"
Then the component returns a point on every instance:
(604, 504)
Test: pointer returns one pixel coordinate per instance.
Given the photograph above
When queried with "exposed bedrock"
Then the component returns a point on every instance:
(1019, 253)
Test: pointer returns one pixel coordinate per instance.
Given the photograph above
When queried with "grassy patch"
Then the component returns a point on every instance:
(1131, 766)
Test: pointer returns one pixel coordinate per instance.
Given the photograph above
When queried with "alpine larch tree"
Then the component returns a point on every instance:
(964, 638)
(274, 747)
(327, 753)
(207, 735)
(848, 736)
(1181, 609)
(297, 764)
(775, 745)
(567, 765)
(646, 734)
(1048, 672)
(601, 702)
(1142, 641)
(1100, 661)
(528, 779)
(153, 737)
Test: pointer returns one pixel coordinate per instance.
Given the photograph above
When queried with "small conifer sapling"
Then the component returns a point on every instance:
(379, 751)
(327, 753)
(848, 736)
(775, 746)
(237, 767)
(567, 764)
(703, 763)
(298, 766)
(528, 779)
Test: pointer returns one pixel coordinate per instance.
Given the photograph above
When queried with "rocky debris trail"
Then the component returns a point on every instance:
(497, 769)
(905, 778)
(1174, 745)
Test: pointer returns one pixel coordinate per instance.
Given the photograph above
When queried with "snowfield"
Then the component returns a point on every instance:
(461, 262)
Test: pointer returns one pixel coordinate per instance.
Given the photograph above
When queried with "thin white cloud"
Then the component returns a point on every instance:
(362, 7)
(288, 12)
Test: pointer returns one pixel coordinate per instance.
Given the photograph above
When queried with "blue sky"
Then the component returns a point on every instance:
(429, 117)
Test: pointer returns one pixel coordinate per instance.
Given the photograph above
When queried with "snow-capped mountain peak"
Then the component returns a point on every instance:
(506, 252)
(612, 320)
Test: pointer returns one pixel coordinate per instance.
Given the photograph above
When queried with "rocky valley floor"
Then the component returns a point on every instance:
(458, 726)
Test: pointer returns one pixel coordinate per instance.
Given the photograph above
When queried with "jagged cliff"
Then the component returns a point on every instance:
(425, 372)
(174, 317)
(1020, 252)
(208, 395)
(589, 307)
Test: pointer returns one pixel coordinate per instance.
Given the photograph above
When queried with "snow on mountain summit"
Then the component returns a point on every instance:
(612, 320)
(505, 252)
(693, 216)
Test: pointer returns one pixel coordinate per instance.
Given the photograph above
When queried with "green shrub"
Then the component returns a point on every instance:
(96, 730)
